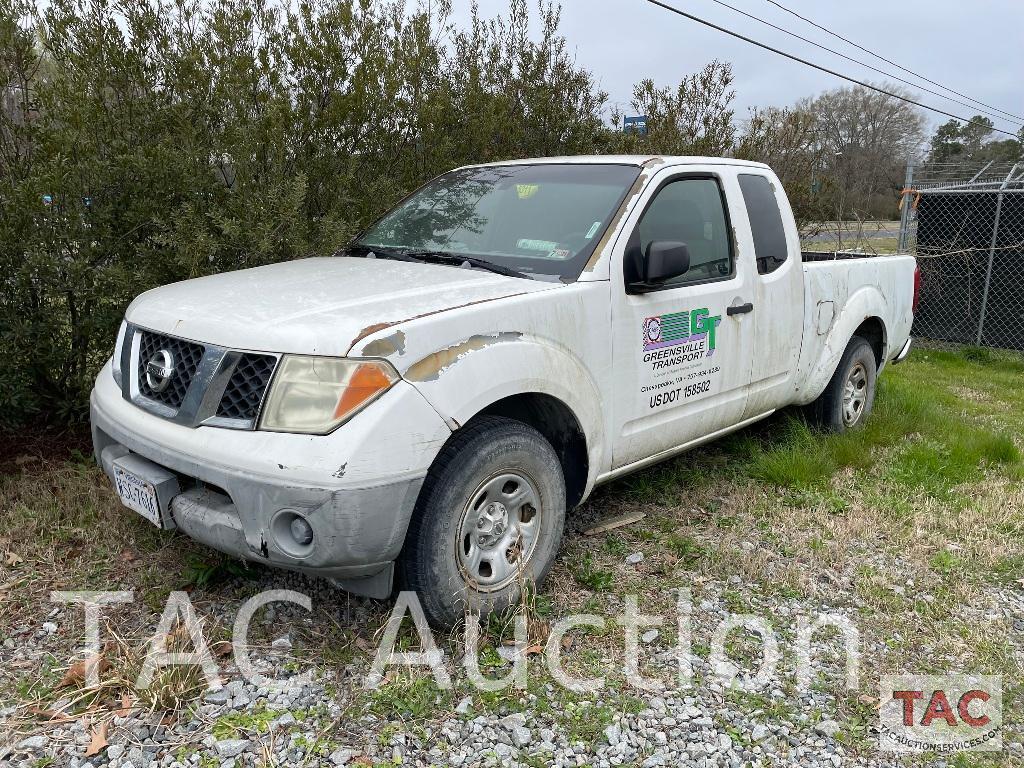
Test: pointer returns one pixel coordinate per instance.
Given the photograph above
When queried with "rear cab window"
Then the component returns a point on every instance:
(770, 246)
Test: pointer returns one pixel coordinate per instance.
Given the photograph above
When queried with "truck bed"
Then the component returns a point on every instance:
(843, 290)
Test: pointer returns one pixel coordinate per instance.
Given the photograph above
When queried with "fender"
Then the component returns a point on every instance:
(462, 379)
(865, 303)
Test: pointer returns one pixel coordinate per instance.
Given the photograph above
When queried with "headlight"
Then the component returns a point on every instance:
(115, 361)
(316, 394)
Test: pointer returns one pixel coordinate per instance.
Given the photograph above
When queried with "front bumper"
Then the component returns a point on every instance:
(356, 487)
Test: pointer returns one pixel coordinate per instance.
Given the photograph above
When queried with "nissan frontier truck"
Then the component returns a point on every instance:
(423, 408)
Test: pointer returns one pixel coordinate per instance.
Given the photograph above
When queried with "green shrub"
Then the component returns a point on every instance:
(144, 142)
(137, 149)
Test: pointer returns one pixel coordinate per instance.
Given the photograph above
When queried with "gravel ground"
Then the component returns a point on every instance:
(668, 730)
(323, 715)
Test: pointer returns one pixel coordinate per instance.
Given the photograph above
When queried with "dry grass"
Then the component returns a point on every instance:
(915, 524)
(68, 532)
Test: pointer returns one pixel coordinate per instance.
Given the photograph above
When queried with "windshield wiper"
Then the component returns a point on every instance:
(374, 252)
(444, 257)
(437, 257)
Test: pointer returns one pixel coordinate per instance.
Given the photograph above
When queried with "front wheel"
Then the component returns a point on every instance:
(488, 521)
(847, 400)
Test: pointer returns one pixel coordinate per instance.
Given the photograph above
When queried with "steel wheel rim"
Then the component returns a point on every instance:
(855, 394)
(498, 530)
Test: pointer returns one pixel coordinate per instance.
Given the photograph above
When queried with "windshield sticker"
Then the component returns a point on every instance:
(526, 191)
(560, 253)
(526, 244)
(593, 229)
(676, 348)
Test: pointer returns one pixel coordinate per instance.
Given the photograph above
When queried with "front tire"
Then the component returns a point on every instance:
(488, 521)
(849, 397)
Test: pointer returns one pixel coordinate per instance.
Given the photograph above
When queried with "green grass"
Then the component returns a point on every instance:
(946, 562)
(912, 521)
(593, 578)
(937, 440)
(408, 699)
(912, 524)
(936, 447)
(685, 548)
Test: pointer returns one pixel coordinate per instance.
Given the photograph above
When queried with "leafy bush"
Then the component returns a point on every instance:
(144, 142)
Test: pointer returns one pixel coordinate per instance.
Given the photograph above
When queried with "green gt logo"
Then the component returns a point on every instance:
(679, 328)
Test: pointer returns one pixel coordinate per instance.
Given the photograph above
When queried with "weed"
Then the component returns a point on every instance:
(685, 548)
(945, 562)
(203, 574)
(975, 354)
(235, 724)
(615, 545)
(592, 577)
(405, 698)
(585, 722)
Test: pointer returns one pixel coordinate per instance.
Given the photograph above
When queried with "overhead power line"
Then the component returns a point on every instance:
(873, 68)
(819, 67)
(836, 35)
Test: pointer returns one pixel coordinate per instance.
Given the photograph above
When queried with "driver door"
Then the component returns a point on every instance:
(681, 358)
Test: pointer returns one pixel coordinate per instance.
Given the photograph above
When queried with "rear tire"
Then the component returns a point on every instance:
(488, 521)
(850, 395)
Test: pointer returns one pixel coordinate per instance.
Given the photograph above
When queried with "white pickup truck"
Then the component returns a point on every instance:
(423, 407)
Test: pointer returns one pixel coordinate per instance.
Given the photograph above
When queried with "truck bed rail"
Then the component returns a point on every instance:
(841, 255)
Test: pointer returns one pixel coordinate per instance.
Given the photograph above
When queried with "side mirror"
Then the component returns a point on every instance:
(664, 260)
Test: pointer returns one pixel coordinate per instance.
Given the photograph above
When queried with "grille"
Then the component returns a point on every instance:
(246, 386)
(186, 356)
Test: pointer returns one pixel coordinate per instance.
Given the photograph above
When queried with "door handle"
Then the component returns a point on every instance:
(740, 309)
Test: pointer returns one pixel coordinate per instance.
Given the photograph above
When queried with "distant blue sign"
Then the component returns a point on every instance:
(637, 124)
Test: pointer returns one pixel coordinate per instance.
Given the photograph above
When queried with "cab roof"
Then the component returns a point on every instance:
(643, 161)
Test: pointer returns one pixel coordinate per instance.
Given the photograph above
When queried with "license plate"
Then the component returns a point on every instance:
(137, 494)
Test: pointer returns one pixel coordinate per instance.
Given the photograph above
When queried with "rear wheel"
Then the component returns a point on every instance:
(488, 521)
(850, 394)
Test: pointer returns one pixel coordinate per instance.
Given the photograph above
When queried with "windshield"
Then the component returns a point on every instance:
(541, 220)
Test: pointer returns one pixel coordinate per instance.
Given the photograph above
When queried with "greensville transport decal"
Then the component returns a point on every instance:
(676, 350)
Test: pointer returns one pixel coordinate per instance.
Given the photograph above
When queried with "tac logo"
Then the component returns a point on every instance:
(954, 713)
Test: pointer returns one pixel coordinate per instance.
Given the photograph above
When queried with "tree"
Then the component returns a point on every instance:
(945, 144)
(867, 138)
(975, 133)
(694, 118)
(971, 144)
(786, 139)
(147, 142)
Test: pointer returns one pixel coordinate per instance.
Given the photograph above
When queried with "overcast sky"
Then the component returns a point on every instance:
(976, 48)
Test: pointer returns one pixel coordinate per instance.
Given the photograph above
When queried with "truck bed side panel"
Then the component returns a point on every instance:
(838, 297)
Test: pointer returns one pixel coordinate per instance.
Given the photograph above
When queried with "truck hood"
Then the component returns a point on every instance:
(318, 306)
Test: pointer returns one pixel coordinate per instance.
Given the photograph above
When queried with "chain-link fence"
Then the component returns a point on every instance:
(966, 227)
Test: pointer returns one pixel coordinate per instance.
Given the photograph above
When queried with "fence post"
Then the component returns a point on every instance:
(992, 252)
(901, 244)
